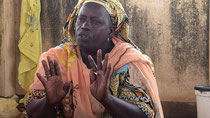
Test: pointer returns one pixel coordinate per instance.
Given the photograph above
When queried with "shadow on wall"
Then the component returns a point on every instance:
(189, 38)
(53, 17)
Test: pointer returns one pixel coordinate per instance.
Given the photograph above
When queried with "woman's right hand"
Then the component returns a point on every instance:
(55, 88)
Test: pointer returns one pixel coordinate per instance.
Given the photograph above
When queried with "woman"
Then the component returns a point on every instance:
(99, 73)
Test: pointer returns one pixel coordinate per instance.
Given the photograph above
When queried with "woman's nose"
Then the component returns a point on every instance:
(86, 25)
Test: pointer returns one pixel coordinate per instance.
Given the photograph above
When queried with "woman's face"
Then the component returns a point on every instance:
(93, 27)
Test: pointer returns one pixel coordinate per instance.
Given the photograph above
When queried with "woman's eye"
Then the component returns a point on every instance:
(96, 22)
(81, 19)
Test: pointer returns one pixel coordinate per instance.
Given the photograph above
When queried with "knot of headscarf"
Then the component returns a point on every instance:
(116, 11)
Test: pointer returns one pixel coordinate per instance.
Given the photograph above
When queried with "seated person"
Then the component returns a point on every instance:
(98, 73)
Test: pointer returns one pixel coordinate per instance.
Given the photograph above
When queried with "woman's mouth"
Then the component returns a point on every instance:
(84, 36)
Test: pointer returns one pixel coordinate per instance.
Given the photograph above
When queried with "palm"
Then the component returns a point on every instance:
(99, 76)
(55, 89)
(98, 87)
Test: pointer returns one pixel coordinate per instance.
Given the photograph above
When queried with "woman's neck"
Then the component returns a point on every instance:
(84, 53)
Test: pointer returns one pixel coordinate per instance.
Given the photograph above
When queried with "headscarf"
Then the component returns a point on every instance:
(116, 11)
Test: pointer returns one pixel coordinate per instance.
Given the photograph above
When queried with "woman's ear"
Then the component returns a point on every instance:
(111, 32)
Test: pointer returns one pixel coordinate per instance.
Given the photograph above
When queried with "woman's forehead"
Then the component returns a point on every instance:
(93, 9)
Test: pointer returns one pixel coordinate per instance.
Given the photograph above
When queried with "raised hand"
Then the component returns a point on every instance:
(55, 89)
(99, 75)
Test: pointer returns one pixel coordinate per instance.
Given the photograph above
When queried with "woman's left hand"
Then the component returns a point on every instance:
(99, 75)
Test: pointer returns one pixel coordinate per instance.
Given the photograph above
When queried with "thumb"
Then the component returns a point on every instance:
(66, 87)
(92, 76)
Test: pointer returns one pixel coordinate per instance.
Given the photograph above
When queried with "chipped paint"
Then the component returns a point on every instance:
(188, 37)
(143, 31)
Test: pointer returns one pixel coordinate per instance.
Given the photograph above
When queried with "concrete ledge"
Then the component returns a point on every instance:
(179, 109)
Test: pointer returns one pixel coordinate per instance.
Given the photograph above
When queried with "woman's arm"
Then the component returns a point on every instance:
(40, 108)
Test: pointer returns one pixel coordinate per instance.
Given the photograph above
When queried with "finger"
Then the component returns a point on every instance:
(57, 69)
(66, 87)
(108, 70)
(104, 67)
(43, 81)
(46, 69)
(51, 65)
(99, 59)
(92, 63)
(92, 76)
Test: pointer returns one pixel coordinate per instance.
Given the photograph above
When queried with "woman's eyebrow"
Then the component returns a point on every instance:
(82, 15)
(94, 17)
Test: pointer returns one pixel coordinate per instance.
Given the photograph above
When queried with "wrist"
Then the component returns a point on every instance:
(107, 99)
(47, 103)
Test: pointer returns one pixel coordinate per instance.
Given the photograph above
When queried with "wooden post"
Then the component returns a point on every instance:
(10, 33)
